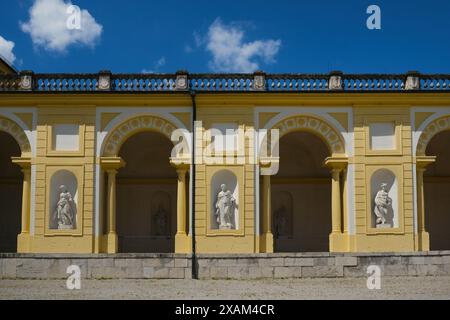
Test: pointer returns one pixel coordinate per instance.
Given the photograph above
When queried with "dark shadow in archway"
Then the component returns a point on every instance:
(301, 195)
(11, 183)
(146, 195)
(437, 192)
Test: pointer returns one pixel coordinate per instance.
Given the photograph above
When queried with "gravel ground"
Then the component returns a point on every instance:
(391, 288)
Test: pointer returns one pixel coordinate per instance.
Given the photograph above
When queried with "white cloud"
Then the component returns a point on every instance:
(230, 52)
(161, 62)
(48, 26)
(6, 50)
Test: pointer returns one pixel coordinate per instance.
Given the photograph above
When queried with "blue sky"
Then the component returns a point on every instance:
(225, 36)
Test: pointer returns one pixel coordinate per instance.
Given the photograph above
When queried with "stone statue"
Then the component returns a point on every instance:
(382, 204)
(65, 212)
(280, 220)
(225, 208)
(160, 222)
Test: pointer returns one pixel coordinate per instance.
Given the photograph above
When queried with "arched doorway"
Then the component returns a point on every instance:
(301, 195)
(437, 192)
(11, 181)
(146, 195)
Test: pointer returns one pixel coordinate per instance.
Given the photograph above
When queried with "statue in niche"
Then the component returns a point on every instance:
(225, 206)
(65, 212)
(383, 204)
(281, 222)
(160, 222)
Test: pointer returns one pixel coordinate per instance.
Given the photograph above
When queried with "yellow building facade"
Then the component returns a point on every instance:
(230, 163)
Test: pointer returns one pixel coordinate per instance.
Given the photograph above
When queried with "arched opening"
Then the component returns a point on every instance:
(146, 195)
(11, 179)
(437, 192)
(301, 195)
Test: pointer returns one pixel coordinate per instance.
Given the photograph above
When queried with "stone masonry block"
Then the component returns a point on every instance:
(204, 273)
(176, 273)
(32, 268)
(8, 269)
(298, 262)
(219, 272)
(238, 272)
(158, 262)
(323, 271)
(346, 261)
(287, 272)
(271, 262)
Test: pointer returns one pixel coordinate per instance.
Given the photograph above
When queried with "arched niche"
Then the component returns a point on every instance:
(229, 179)
(63, 197)
(384, 199)
(282, 214)
(161, 215)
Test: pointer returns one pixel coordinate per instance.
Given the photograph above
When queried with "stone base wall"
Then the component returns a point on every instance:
(231, 266)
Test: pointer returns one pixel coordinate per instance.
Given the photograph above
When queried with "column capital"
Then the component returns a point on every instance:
(267, 162)
(336, 163)
(422, 162)
(182, 161)
(179, 166)
(110, 164)
(23, 162)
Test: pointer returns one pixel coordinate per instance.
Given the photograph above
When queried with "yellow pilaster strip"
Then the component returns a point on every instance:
(266, 244)
(23, 239)
(423, 237)
(111, 165)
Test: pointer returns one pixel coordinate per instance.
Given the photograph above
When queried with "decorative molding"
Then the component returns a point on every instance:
(17, 132)
(26, 81)
(335, 81)
(259, 81)
(435, 127)
(104, 81)
(126, 129)
(181, 81)
(412, 81)
(333, 139)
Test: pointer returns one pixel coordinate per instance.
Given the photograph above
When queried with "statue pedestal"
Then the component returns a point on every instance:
(64, 227)
(383, 226)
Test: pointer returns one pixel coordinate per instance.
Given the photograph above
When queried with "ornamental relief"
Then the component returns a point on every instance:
(131, 126)
(335, 142)
(17, 132)
(430, 131)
